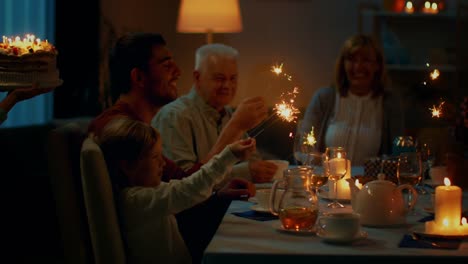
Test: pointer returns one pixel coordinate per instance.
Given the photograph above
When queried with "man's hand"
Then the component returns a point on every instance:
(249, 113)
(237, 189)
(262, 171)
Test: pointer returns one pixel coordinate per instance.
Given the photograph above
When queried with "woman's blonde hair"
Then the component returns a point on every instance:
(125, 139)
(350, 46)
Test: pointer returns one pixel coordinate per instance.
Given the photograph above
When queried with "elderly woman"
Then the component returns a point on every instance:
(357, 112)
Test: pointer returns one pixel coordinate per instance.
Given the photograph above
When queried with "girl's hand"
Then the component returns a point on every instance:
(243, 148)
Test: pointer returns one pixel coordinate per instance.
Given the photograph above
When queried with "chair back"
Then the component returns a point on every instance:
(63, 151)
(106, 238)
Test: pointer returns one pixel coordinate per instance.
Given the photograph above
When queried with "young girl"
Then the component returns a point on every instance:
(132, 150)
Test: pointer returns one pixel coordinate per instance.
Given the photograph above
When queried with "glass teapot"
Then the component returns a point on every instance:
(297, 207)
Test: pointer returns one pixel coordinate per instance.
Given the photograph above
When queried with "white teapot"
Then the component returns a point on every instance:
(381, 202)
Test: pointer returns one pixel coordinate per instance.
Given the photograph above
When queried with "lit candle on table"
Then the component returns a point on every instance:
(447, 210)
(447, 206)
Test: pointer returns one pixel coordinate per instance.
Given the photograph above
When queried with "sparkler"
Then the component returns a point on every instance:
(310, 138)
(436, 111)
(285, 110)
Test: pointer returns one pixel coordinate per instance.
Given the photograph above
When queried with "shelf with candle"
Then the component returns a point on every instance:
(447, 210)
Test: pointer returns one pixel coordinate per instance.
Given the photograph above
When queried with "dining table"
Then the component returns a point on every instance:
(242, 239)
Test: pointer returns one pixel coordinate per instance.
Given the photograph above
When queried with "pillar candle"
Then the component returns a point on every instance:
(447, 208)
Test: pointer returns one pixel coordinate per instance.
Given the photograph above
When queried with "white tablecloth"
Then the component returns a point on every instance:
(241, 240)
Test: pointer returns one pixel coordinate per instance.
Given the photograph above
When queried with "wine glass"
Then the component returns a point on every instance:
(319, 177)
(336, 168)
(427, 160)
(302, 147)
(409, 170)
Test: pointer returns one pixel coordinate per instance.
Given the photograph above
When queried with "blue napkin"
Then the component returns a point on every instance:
(257, 216)
(432, 243)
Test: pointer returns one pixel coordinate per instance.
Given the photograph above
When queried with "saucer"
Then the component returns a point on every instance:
(279, 227)
(420, 230)
(334, 240)
(259, 209)
(325, 195)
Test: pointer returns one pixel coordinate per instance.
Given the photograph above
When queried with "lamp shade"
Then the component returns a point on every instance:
(202, 16)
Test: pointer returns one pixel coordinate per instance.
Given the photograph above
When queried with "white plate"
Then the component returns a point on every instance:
(361, 235)
(279, 227)
(421, 231)
(12, 86)
(325, 195)
(259, 209)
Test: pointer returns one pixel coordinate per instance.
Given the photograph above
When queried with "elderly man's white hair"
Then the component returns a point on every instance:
(213, 52)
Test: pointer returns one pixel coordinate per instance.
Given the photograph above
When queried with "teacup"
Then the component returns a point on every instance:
(263, 198)
(339, 225)
(282, 165)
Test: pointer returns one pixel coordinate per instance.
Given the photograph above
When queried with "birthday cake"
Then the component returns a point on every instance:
(23, 62)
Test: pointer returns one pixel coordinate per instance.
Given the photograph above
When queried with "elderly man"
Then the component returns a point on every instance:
(193, 125)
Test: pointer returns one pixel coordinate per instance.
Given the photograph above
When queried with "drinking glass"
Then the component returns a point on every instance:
(302, 147)
(409, 170)
(319, 177)
(336, 168)
(427, 160)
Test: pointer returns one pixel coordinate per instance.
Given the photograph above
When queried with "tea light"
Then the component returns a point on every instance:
(447, 210)
(358, 184)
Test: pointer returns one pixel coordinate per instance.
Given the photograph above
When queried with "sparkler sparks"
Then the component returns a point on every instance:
(277, 69)
(285, 110)
(310, 138)
(434, 74)
(436, 111)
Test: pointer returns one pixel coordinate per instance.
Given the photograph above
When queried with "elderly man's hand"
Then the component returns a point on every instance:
(262, 171)
(237, 189)
(250, 113)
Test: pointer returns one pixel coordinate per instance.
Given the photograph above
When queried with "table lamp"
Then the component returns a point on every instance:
(209, 16)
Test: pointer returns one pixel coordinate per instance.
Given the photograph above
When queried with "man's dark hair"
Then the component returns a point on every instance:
(133, 50)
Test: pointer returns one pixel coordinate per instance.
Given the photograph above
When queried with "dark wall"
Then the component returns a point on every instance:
(77, 41)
